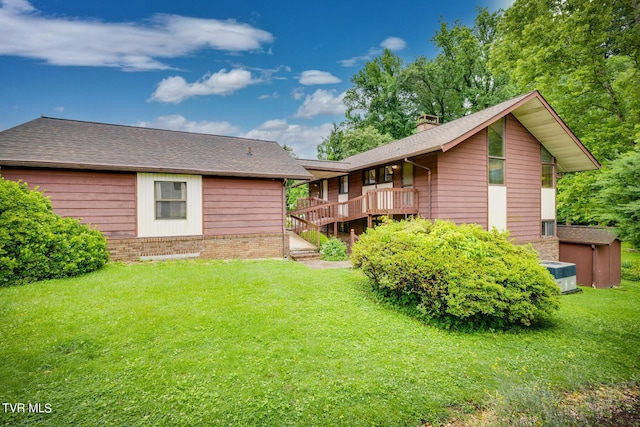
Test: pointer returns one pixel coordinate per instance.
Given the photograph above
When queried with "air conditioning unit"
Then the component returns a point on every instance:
(564, 273)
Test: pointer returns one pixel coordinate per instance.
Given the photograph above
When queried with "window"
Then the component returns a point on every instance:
(385, 174)
(407, 175)
(343, 185)
(548, 228)
(369, 177)
(548, 168)
(496, 152)
(171, 200)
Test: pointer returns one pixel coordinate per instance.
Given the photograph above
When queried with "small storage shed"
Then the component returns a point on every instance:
(595, 251)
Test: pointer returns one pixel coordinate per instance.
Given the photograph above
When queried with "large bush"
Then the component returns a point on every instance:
(460, 276)
(37, 244)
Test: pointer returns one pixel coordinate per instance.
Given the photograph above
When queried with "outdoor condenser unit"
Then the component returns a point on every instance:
(564, 273)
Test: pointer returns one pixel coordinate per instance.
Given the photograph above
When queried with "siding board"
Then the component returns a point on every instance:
(462, 190)
(242, 206)
(523, 177)
(105, 200)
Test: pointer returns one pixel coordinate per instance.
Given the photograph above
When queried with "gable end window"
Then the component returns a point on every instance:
(548, 169)
(171, 199)
(496, 152)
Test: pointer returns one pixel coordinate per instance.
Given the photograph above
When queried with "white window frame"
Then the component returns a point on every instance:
(149, 225)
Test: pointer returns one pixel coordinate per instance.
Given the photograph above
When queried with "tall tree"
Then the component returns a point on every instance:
(584, 57)
(342, 143)
(376, 98)
(458, 81)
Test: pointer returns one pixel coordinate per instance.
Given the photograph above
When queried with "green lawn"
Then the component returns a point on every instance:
(276, 343)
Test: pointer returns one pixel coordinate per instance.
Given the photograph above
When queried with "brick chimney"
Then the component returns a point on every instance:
(427, 121)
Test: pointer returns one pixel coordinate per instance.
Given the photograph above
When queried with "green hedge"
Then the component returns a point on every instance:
(37, 244)
(458, 276)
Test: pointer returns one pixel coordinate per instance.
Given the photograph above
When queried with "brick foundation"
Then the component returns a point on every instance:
(244, 246)
(547, 248)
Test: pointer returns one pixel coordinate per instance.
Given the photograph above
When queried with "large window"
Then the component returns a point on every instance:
(381, 175)
(496, 153)
(171, 200)
(548, 169)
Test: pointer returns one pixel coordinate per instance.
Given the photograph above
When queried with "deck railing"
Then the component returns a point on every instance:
(382, 201)
(306, 229)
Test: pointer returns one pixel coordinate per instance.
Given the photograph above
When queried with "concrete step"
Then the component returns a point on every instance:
(304, 255)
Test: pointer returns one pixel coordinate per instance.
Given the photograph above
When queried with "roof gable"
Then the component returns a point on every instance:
(58, 143)
(535, 114)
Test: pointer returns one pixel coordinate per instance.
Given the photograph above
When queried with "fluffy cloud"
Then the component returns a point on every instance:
(317, 77)
(303, 139)
(178, 122)
(176, 89)
(322, 103)
(393, 43)
(130, 46)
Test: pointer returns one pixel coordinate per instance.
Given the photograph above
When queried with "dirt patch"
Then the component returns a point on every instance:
(602, 407)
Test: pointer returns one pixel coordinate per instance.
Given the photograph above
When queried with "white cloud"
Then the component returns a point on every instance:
(303, 139)
(130, 46)
(178, 122)
(59, 109)
(373, 52)
(317, 77)
(322, 103)
(176, 89)
(297, 93)
(393, 43)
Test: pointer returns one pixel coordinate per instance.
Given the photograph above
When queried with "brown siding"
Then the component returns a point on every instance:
(462, 191)
(607, 259)
(355, 184)
(421, 183)
(333, 190)
(523, 177)
(242, 206)
(103, 199)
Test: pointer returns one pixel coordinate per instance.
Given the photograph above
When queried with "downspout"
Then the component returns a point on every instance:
(284, 218)
(406, 160)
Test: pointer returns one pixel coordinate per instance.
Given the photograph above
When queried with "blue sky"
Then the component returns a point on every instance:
(272, 70)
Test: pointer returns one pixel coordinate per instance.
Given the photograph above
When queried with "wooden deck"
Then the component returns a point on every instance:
(311, 213)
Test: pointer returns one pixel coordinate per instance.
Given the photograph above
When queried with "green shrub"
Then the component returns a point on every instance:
(631, 270)
(333, 250)
(459, 276)
(37, 244)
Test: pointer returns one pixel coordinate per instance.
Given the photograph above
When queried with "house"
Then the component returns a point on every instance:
(595, 251)
(158, 193)
(496, 168)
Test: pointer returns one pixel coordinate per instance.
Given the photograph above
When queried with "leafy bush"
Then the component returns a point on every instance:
(333, 250)
(631, 270)
(37, 244)
(459, 276)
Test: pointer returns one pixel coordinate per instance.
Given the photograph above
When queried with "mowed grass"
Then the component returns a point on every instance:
(275, 343)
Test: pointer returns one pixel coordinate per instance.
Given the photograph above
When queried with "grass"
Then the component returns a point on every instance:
(276, 343)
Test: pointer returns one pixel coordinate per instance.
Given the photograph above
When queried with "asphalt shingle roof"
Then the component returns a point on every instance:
(588, 235)
(530, 109)
(59, 143)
